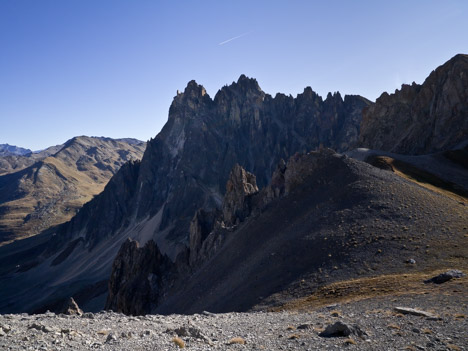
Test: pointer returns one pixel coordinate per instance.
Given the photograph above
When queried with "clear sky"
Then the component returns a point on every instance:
(112, 67)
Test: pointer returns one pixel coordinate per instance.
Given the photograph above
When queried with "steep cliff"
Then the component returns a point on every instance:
(421, 119)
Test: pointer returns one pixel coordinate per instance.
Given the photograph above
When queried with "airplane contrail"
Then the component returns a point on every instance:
(239, 36)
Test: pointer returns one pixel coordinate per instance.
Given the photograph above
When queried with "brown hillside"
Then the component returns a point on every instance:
(52, 190)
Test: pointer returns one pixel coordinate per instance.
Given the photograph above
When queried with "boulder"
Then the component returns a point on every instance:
(446, 276)
(341, 329)
(70, 307)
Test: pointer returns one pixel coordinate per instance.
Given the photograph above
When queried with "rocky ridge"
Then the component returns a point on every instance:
(421, 119)
(12, 150)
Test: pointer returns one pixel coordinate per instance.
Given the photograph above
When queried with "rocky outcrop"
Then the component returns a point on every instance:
(421, 119)
(137, 274)
(207, 229)
(239, 189)
(71, 308)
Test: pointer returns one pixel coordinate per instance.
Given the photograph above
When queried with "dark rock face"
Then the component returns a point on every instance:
(421, 119)
(240, 186)
(136, 277)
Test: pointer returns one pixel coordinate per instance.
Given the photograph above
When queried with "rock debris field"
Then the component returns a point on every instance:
(416, 322)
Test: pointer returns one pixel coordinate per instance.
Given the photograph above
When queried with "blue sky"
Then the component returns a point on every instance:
(112, 67)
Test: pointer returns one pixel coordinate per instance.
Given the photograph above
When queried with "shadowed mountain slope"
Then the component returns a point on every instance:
(338, 218)
(53, 189)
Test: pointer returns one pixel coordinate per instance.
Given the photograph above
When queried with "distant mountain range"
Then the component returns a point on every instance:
(232, 211)
(47, 188)
(12, 150)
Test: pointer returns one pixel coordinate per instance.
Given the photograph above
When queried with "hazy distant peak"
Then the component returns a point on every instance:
(12, 150)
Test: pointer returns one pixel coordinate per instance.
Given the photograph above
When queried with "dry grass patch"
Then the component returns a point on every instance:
(179, 342)
(392, 285)
(290, 327)
(453, 347)
(349, 342)
(393, 326)
(293, 336)
(362, 288)
(237, 340)
(460, 316)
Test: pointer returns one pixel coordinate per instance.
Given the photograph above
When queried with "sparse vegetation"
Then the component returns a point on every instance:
(350, 341)
(179, 342)
(393, 326)
(236, 340)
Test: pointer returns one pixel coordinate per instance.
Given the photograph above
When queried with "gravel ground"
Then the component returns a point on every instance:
(384, 328)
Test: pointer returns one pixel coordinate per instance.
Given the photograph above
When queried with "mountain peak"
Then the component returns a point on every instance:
(248, 83)
(194, 89)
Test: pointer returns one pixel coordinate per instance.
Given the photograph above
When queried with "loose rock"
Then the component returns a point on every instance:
(414, 312)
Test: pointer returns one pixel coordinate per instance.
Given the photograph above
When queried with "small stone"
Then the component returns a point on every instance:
(47, 329)
(145, 333)
(411, 261)
(111, 338)
(304, 326)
